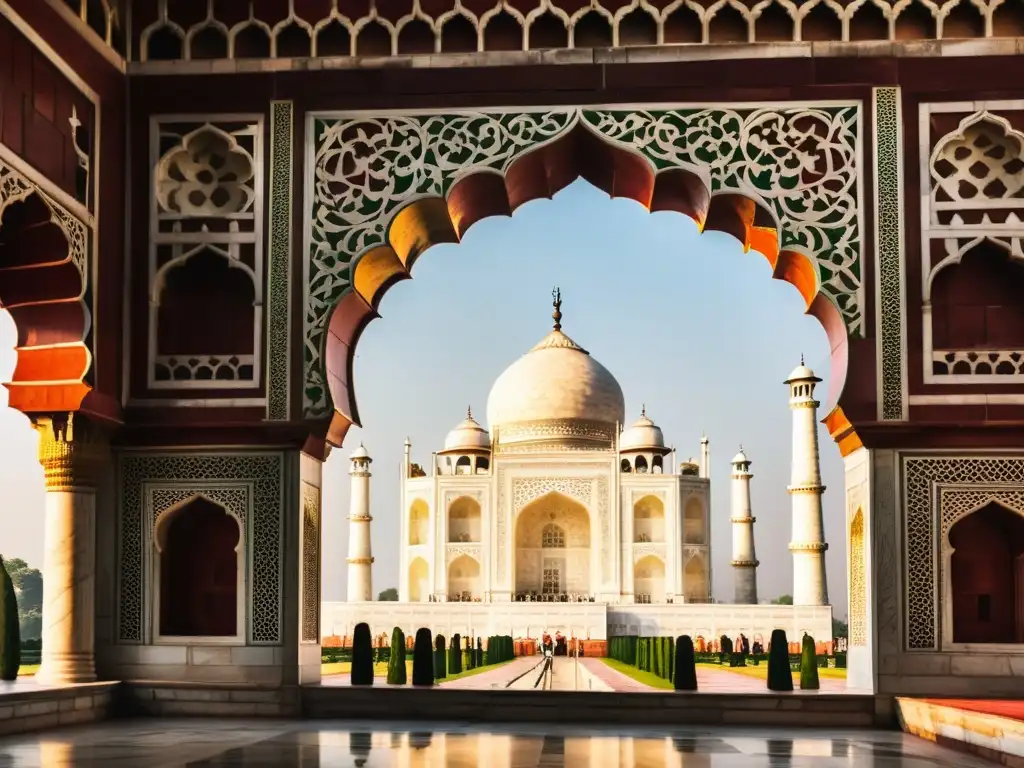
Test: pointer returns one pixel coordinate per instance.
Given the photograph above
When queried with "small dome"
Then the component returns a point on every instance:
(468, 435)
(643, 434)
(801, 373)
(740, 458)
(360, 453)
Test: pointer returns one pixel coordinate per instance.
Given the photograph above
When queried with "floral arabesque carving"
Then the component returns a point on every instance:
(310, 563)
(801, 161)
(207, 174)
(922, 524)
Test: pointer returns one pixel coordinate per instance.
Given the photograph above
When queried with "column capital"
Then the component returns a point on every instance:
(72, 451)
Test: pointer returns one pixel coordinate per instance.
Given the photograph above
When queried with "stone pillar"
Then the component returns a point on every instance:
(744, 558)
(808, 542)
(360, 554)
(72, 452)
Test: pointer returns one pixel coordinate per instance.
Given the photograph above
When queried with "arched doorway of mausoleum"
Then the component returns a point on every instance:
(553, 549)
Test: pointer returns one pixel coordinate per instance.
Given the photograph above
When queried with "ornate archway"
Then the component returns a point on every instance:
(381, 190)
(554, 548)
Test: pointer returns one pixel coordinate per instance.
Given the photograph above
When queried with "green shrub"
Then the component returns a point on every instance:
(396, 663)
(455, 655)
(808, 666)
(10, 630)
(685, 667)
(362, 655)
(440, 658)
(840, 661)
(468, 659)
(479, 655)
(671, 658)
(423, 658)
(780, 676)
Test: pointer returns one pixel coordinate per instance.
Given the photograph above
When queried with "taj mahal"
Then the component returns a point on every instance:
(557, 517)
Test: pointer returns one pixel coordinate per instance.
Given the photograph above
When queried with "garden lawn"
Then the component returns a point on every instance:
(27, 670)
(761, 671)
(380, 669)
(647, 678)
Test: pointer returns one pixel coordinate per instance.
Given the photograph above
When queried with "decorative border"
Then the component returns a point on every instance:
(363, 168)
(264, 471)
(890, 290)
(924, 479)
(310, 558)
(279, 253)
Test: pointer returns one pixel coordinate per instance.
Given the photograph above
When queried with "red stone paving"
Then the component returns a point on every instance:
(1014, 710)
(493, 677)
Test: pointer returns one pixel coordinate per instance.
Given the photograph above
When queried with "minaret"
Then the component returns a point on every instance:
(808, 543)
(744, 560)
(360, 556)
(705, 457)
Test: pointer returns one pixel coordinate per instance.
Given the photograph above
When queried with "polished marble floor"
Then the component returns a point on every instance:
(322, 744)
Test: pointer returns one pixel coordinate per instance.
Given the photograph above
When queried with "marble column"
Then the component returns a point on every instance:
(72, 452)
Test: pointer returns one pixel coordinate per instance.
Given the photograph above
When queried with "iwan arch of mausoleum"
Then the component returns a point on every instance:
(190, 248)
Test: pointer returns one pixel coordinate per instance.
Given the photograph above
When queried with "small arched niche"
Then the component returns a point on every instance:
(419, 522)
(649, 520)
(419, 580)
(649, 579)
(695, 529)
(206, 322)
(695, 581)
(464, 579)
(985, 584)
(199, 570)
(464, 520)
(553, 547)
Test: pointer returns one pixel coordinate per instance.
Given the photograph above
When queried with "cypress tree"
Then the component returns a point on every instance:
(672, 658)
(362, 655)
(455, 655)
(779, 676)
(685, 665)
(396, 664)
(423, 659)
(808, 666)
(479, 652)
(10, 631)
(467, 655)
(440, 658)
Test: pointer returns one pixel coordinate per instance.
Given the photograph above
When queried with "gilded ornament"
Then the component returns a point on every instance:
(73, 452)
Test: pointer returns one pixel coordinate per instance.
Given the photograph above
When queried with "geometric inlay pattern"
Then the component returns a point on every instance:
(858, 583)
(263, 471)
(279, 252)
(800, 161)
(310, 563)
(924, 479)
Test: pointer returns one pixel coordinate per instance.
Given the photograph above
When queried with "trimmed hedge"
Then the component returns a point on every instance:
(479, 653)
(396, 663)
(455, 655)
(780, 675)
(423, 658)
(468, 656)
(499, 648)
(685, 678)
(440, 658)
(10, 630)
(362, 655)
(809, 666)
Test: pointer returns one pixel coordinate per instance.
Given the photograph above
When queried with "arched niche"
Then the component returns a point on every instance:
(465, 522)
(464, 579)
(640, 464)
(649, 519)
(553, 548)
(649, 579)
(199, 573)
(463, 466)
(419, 580)
(695, 581)
(205, 322)
(695, 529)
(975, 305)
(983, 555)
(419, 523)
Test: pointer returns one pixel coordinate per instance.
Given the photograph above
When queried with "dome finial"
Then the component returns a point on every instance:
(556, 297)
(643, 411)
(469, 411)
(801, 358)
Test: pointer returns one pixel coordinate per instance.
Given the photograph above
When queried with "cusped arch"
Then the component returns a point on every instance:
(983, 159)
(465, 520)
(695, 529)
(649, 519)
(42, 285)
(163, 520)
(540, 163)
(695, 580)
(464, 578)
(570, 515)
(207, 174)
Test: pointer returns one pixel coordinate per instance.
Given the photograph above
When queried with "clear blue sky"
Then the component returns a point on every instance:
(689, 324)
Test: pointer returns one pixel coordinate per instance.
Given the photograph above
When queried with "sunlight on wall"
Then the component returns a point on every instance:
(21, 476)
(688, 324)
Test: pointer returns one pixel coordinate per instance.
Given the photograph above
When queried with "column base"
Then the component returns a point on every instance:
(67, 668)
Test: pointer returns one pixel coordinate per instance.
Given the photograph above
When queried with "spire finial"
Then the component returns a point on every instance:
(556, 299)
(643, 411)
(801, 358)
(469, 412)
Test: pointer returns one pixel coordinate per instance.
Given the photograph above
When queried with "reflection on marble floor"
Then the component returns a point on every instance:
(322, 744)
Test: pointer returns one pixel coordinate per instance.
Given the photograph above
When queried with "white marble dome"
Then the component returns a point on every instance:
(643, 434)
(801, 373)
(468, 435)
(556, 391)
(740, 458)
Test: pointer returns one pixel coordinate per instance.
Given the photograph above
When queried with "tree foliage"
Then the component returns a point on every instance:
(389, 594)
(808, 665)
(362, 655)
(423, 658)
(28, 586)
(10, 632)
(685, 667)
(396, 662)
(780, 678)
